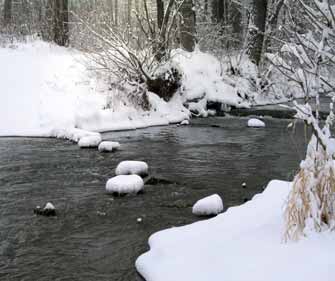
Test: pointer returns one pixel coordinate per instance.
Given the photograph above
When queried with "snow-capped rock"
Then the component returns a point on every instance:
(185, 122)
(124, 184)
(108, 146)
(132, 168)
(211, 205)
(49, 206)
(256, 123)
(90, 141)
(48, 211)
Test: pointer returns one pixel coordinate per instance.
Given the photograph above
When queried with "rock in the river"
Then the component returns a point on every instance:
(139, 168)
(256, 123)
(90, 141)
(156, 181)
(125, 184)
(108, 146)
(49, 210)
(185, 122)
(211, 205)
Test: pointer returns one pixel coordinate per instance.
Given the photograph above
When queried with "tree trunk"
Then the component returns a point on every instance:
(219, 8)
(130, 4)
(187, 27)
(272, 22)
(256, 33)
(61, 19)
(116, 12)
(7, 12)
(160, 13)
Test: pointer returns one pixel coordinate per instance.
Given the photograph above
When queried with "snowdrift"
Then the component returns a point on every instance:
(245, 243)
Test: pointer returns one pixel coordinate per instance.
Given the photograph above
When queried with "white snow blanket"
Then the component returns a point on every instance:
(125, 184)
(132, 168)
(46, 91)
(108, 146)
(256, 123)
(90, 141)
(242, 244)
(210, 205)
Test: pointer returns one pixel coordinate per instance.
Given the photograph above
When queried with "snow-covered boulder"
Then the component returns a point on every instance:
(125, 184)
(132, 168)
(48, 211)
(185, 122)
(90, 141)
(108, 146)
(256, 123)
(211, 205)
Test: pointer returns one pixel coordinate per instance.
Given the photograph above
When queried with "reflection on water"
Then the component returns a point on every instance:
(82, 243)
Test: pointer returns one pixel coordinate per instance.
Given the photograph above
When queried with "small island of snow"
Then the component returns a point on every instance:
(256, 123)
(108, 146)
(211, 205)
(132, 168)
(125, 184)
(90, 141)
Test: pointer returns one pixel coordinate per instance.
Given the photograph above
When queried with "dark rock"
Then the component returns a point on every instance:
(47, 212)
(217, 106)
(157, 181)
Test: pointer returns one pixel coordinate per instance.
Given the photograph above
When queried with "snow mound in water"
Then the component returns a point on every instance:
(49, 206)
(90, 141)
(132, 168)
(185, 122)
(108, 146)
(256, 123)
(211, 205)
(125, 184)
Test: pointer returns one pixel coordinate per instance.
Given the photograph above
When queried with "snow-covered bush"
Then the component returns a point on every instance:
(307, 56)
(311, 203)
(136, 56)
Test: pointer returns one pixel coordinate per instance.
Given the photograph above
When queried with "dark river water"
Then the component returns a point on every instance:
(96, 236)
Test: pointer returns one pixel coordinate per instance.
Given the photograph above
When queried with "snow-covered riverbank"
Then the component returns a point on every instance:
(47, 91)
(245, 243)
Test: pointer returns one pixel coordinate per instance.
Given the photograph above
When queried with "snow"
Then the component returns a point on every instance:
(47, 91)
(132, 168)
(125, 184)
(108, 146)
(90, 141)
(185, 123)
(244, 243)
(210, 205)
(49, 206)
(204, 81)
(43, 86)
(256, 123)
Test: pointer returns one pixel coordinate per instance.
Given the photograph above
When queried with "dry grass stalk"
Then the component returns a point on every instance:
(310, 204)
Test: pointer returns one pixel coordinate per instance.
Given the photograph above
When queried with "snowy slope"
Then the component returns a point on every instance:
(47, 91)
(242, 244)
(42, 87)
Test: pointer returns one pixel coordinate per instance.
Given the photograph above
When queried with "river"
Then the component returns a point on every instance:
(96, 236)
